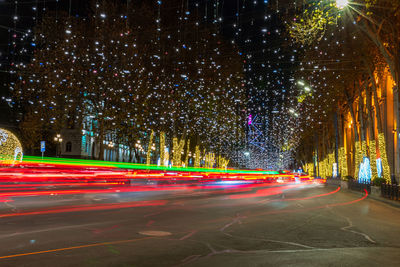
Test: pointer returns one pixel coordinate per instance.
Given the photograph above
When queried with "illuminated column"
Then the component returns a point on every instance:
(162, 148)
(177, 151)
(343, 163)
(372, 155)
(197, 157)
(384, 159)
(358, 158)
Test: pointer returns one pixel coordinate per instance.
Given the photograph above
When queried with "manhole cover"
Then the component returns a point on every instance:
(155, 233)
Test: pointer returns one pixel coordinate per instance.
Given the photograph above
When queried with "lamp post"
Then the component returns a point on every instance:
(139, 149)
(58, 141)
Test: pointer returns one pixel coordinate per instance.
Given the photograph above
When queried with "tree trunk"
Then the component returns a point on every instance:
(371, 122)
(375, 96)
(117, 152)
(101, 144)
(392, 60)
(130, 155)
(353, 117)
(372, 138)
(361, 113)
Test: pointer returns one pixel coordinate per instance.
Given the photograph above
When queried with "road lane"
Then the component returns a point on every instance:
(307, 225)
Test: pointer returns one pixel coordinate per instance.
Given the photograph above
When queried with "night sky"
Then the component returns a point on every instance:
(256, 27)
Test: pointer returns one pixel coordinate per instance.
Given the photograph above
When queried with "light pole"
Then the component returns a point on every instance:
(58, 141)
(139, 149)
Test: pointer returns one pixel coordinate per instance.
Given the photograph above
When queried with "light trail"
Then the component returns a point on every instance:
(35, 177)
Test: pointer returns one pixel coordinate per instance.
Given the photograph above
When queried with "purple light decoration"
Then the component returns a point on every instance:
(250, 119)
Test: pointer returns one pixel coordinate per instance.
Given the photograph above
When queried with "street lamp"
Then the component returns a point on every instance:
(58, 141)
(342, 3)
(305, 87)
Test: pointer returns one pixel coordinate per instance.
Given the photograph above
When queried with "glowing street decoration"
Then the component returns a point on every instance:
(372, 154)
(358, 156)
(197, 157)
(379, 167)
(162, 148)
(177, 146)
(342, 163)
(365, 173)
(250, 120)
(382, 150)
(335, 170)
(10, 147)
(148, 156)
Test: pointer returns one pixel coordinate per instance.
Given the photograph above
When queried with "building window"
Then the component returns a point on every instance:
(68, 147)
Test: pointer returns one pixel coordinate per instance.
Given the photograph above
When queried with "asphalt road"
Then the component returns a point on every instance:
(310, 225)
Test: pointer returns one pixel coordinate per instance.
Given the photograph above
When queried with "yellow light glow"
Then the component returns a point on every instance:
(10, 147)
(342, 3)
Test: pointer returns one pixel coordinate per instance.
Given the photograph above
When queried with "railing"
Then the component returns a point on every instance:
(391, 191)
(360, 185)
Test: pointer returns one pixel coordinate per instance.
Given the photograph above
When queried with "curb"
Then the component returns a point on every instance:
(392, 203)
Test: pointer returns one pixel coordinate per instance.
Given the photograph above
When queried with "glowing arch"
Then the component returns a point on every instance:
(10, 147)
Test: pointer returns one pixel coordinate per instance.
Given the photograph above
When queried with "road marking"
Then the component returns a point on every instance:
(235, 220)
(75, 247)
(347, 228)
(271, 240)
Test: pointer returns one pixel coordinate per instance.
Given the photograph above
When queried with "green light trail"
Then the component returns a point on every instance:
(125, 165)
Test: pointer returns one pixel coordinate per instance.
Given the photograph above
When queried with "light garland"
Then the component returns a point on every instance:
(309, 168)
(343, 170)
(358, 157)
(148, 156)
(10, 147)
(372, 155)
(197, 157)
(331, 160)
(222, 162)
(177, 149)
(210, 160)
(384, 159)
(162, 148)
(326, 167)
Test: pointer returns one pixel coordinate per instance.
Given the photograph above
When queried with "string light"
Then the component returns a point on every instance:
(10, 147)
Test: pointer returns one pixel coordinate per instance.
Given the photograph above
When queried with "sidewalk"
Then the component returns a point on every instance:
(337, 182)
